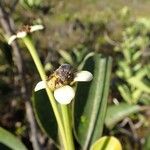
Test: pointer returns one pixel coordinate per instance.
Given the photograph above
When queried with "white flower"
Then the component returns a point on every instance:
(65, 93)
(24, 31)
(83, 76)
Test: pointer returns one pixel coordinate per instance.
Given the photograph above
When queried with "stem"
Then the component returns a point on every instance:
(7, 23)
(35, 57)
(68, 130)
(27, 41)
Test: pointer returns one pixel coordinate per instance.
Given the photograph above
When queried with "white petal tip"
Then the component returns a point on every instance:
(21, 34)
(36, 27)
(11, 39)
(83, 76)
(64, 95)
(40, 85)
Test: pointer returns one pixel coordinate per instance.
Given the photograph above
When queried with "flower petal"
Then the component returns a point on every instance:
(83, 76)
(21, 34)
(11, 39)
(64, 95)
(40, 85)
(36, 27)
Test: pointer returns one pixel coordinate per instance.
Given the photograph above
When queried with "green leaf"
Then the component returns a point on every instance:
(141, 73)
(136, 55)
(107, 143)
(125, 93)
(116, 113)
(85, 59)
(124, 66)
(30, 3)
(10, 140)
(145, 99)
(91, 101)
(66, 56)
(136, 95)
(147, 143)
(44, 114)
(139, 84)
(80, 53)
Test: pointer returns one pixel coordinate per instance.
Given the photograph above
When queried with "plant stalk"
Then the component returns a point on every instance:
(67, 125)
(29, 44)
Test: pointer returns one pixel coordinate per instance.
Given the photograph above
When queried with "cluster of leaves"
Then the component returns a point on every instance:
(133, 71)
(133, 64)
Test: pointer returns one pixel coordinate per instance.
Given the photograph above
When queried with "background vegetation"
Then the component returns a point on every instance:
(73, 30)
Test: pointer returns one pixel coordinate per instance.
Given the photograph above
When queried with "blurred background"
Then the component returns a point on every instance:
(72, 30)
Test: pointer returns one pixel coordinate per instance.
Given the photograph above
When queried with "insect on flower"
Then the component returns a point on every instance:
(26, 29)
(61, 81)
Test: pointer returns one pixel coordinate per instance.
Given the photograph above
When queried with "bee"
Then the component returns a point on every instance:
(25, 28)
(64, 75)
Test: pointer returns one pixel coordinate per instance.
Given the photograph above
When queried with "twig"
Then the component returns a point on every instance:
(129, 121)
(14, 6)
(7, 24)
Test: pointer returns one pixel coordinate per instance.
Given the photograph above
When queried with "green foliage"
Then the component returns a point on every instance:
(147, 143)
(94, 102)
(132, 69)
(66, 56)
(91, 101)
(10, 140)
(116, 113)
(30, 3)
(74, 35)
(76, 57)
(45, 115)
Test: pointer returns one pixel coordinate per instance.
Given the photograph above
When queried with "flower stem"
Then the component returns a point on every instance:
(68, 130)
(29, 44)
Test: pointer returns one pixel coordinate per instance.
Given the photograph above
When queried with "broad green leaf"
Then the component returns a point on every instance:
(44, 114)
(91, 101)
(10, 140)
(4, 147)
(107, 143)
(116, 113)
